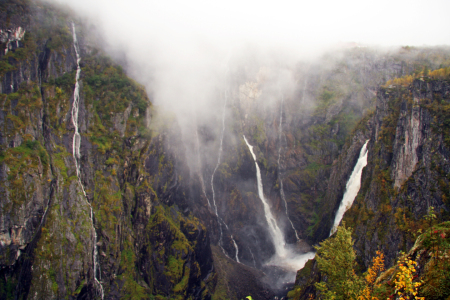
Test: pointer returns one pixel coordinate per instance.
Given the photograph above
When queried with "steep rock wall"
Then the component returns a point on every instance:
(131, 169)
(406, 174)
(407, 170)
(322, 134)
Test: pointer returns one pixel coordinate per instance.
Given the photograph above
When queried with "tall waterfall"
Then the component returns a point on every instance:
(220, 220)
(76, 155)
(75, 109)
(275, 232)
(352, 188)
(200, 175)
(280, 132)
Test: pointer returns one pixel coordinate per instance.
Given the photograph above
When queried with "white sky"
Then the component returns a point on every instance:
(385, 22)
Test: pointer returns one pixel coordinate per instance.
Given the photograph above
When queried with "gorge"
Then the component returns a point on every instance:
(108, 192)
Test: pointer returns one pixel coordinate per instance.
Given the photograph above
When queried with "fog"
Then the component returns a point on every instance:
(181, 49)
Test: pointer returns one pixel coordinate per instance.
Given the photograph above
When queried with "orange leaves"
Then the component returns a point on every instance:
(371, 276)
(374, 271)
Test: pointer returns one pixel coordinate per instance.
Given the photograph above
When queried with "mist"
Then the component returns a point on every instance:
(181, 50)
(190, 54)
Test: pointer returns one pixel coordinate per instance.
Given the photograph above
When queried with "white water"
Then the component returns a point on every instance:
(235, 247)
(291, 263)
(212, 187)
(352, 188)
(275, 232)
(76, 154)
(280, 132)
(285, 256)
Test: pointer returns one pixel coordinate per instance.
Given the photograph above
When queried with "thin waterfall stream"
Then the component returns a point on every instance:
(280, 133)
(76, 156)
(220, 220)
(275, 231)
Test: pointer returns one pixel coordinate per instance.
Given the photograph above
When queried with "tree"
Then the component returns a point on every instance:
(404, 285)
(336, 259)
(371, 276)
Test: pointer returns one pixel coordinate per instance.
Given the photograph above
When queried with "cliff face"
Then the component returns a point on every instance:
(139, 239)
(406, 177)
(306, 139)
(407, 170)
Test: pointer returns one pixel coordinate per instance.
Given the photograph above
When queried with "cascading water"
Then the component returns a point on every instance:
(280, 132)
(76, 155)
(75, 109)
(286, 257)
(212, 187)
(275, 232)
(352, 188)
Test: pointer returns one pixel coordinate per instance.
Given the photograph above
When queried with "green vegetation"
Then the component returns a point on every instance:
(174, 251)
(118, 104)
(131, 289)
(146, 246)
(119, 184)
(336, 261)
(25, 164)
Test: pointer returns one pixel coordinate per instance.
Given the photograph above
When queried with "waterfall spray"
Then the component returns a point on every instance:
(275, 232)
(352, 188)
(280, 132)
(76, 155)
(220, 220)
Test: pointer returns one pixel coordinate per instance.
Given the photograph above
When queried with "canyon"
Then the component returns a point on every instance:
(105, 195)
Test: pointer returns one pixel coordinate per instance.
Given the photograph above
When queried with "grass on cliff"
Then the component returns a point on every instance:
(26, 163)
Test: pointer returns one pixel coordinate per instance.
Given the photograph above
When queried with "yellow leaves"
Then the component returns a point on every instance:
(404, 285)
(440, 73)
(407, 80)
(403, 81)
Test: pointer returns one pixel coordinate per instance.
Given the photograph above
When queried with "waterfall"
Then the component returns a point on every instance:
(235, 247)
(75, 109)
(280, 132)
(219, 219)
(305, 84)
(352, 188)
(275, 232)
(200, 175)
(76, 154)
(251, 252)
